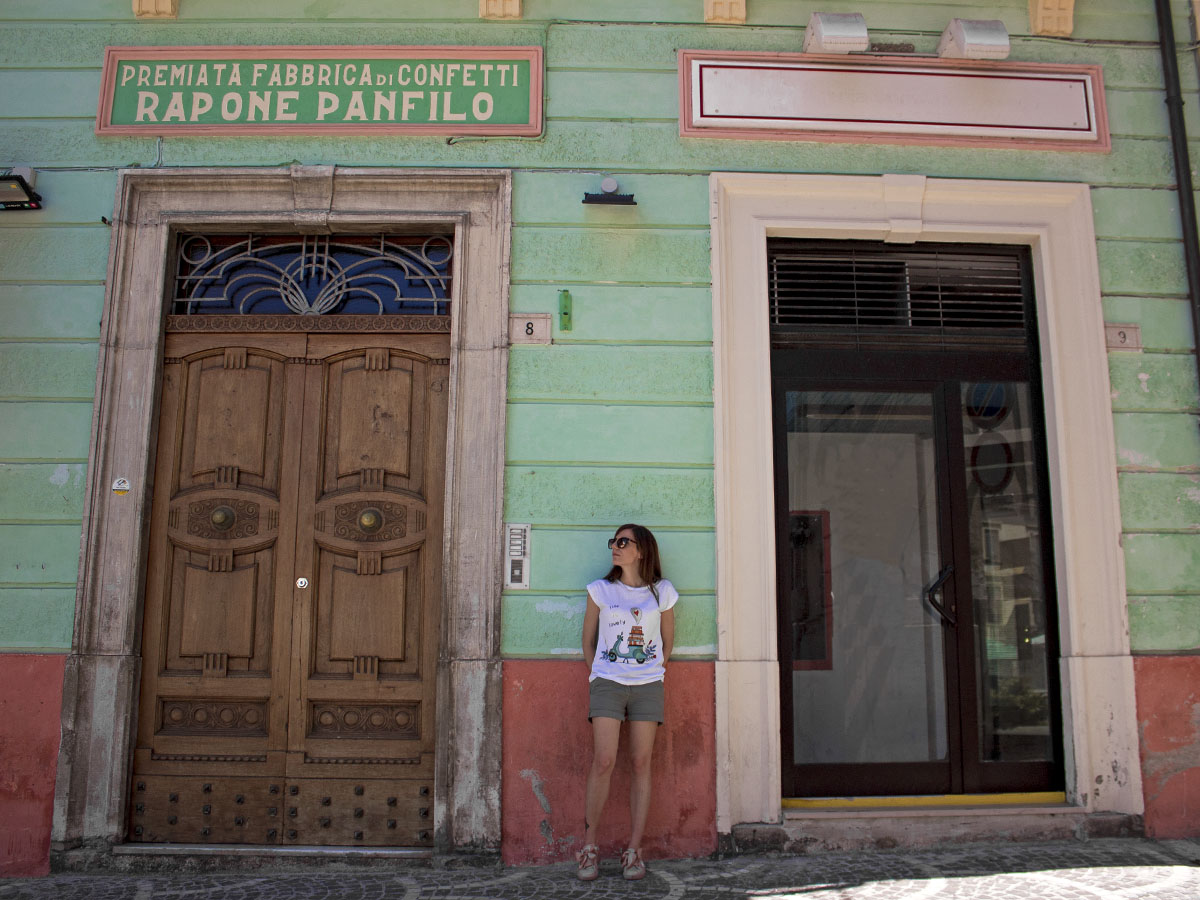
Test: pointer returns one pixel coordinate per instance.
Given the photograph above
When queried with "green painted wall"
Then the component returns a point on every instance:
(614, 421)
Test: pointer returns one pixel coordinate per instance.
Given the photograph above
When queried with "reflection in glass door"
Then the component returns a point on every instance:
(868, 686)
(1008, 585)
(915, 651)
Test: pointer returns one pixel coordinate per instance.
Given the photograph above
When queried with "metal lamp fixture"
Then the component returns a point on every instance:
(836, 33)
(609, 194)
(974, 39)
(16, 190)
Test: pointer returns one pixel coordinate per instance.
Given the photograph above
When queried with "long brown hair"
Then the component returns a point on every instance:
(649, 566)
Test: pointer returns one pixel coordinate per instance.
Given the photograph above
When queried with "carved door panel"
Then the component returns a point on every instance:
(217, 630)
(272, 712)
(368, 540)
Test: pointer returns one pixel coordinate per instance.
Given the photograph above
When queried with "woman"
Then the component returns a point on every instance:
(628, 631)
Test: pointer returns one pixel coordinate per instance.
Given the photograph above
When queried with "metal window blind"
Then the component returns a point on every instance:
(919, 293)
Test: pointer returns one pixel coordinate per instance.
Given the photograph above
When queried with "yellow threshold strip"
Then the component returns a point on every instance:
(934, 800)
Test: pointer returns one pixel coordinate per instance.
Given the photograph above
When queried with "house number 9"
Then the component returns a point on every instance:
(1123, 336)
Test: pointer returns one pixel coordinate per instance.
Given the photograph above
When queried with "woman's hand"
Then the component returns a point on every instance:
(591, 631)
(667, 627)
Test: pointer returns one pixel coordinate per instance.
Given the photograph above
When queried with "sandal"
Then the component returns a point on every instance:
(589, 862)
(632, 866)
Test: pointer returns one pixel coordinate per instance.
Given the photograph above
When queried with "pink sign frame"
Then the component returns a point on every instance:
(1087, 79)
(113, 55)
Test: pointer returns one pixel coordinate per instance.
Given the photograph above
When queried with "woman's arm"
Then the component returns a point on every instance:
(591, 630)
(667, 627)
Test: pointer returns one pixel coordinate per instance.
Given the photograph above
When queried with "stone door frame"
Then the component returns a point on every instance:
(100, 688)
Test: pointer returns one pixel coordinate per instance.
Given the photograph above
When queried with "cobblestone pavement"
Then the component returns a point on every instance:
(1093, 870)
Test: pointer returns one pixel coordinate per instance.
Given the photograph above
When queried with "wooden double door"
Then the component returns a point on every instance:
(293, 591)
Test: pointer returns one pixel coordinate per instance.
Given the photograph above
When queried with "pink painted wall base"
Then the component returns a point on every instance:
(1168, 702)
(548, 748)
(30, 704)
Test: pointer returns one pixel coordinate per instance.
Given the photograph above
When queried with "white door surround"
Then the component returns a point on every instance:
(1055, 221)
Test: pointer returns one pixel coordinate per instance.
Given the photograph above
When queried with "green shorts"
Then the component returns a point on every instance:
(635, 702)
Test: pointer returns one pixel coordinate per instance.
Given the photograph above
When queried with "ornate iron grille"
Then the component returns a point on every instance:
(312, 276)
(953, 295)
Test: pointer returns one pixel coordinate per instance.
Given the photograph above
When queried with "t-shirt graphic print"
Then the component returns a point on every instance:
(629, 645)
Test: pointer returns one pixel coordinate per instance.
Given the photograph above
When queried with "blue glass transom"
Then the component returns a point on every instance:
(313, 275)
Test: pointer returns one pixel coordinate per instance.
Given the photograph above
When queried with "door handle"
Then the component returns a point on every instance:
(932, 589)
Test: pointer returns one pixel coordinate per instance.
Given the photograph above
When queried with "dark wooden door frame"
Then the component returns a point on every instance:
(933, 372)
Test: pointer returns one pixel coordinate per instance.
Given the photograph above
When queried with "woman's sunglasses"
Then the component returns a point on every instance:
(620, 543)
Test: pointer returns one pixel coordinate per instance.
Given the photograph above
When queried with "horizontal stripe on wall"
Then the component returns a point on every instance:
(637, 435)
(1141, 267)
(1150, 440)
(541, 198)
(1159, 500)
(54, 253)
(620, 374)
(47, 370)
(612, 146)
(42, 491)
(1166, 624)
(1154, 381)
(38, 431)
(623, 313)
(80, 44)
(37, 618)
(641, 256)
(1132, 213)
(39, 554)
(607, 496)
(1166, 322)
(1161, 563)
(70, 198)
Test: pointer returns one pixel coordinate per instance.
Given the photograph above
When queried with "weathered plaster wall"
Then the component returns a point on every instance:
(547, 753)
(613, 422)
(28, 750)
(1168, 697)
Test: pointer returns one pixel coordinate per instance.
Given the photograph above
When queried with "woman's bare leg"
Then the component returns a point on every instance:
(641, 748)
(606, 735)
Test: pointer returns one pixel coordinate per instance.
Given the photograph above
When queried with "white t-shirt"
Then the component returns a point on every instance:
(629, 645)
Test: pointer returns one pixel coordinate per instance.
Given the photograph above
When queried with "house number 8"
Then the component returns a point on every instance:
(529, 328)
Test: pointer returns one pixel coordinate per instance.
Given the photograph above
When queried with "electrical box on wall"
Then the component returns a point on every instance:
(516, 556)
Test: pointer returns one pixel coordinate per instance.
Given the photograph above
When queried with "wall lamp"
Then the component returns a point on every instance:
(16, 190)
(836, 33)
(608, 195)
(974, 39)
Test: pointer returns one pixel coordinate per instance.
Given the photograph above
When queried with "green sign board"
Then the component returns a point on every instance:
(321, 90)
